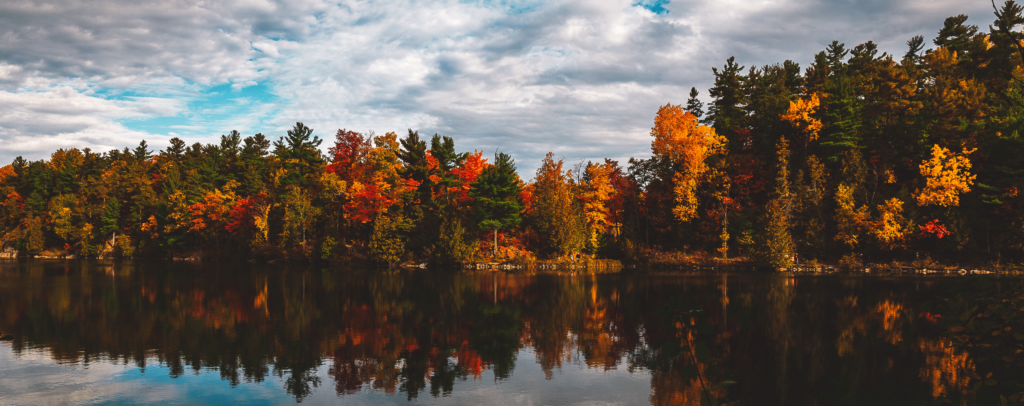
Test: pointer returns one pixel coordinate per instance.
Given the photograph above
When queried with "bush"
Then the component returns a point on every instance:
(453, 247)
(386, 243)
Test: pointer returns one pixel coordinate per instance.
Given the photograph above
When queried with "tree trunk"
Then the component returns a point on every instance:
(495, 242)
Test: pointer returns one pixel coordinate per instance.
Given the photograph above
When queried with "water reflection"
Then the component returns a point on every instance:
(429, 334)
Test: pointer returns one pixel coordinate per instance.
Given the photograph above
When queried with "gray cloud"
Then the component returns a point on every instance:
(583, 79)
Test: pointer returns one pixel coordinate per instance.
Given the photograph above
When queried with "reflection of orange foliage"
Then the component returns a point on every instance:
(891, 320)
(221, 311)
(945, 369)
(261, 301)
(887, 313)
(600, 344)
(669, 388)
(469, 360)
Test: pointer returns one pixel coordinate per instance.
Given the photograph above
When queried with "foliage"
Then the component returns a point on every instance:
(778, 241)
(387, 243)
(454, 245)
(497, 199)
(554, 212)
(851, 155)
(892, 229)
(983, 318)
(800, 115)
(850, 220)
(946, 176)
(680, 138)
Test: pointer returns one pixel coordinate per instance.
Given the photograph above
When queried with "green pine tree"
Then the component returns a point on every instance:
(497, 201)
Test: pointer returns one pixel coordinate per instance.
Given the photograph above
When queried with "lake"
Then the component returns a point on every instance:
(95, 332)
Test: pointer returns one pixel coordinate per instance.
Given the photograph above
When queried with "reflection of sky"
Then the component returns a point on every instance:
(34, 378)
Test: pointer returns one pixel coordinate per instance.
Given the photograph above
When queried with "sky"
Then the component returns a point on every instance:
(582, 79)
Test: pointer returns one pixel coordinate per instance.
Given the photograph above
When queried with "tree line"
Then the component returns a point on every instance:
(860, 156)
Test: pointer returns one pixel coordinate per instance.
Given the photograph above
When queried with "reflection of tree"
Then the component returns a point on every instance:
(945, 369)
(421, 332)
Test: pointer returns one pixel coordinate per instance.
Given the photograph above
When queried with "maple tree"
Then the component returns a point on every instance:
(680, 138)
(596, 192)
(892, 229)
(946, 177)
(800, 115)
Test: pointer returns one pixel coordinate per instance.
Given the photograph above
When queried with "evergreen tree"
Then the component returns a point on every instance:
(955, 36)
(726, 110)
(142, 152)
(914, 47)
(694, 105)
(300, 156)
(778, 241)
(496, 197)
(841, 121)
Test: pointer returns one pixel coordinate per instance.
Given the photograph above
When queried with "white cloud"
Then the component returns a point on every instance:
(34, 123)
(583, 79)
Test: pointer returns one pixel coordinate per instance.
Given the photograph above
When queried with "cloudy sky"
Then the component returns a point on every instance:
(580, 78)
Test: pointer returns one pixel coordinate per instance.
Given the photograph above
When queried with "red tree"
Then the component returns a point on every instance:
(349, 155)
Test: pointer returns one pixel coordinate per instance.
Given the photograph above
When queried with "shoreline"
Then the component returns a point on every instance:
(595, 266)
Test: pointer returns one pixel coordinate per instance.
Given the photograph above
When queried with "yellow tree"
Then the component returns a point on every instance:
(800, 114)
(554, 212)
(62, 216)
(892, 228)
(778, 241)
(299, 215)
(384, 186)
(850, 220)
(179, 216)
(946, 177)
(596, 192)
(680, 138)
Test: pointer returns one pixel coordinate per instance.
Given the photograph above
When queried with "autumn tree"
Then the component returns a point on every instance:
(801, 115)
(892, 229)
(62, 219)
(681, 139)
(778, 242)
(850, 219)
(596, 190)
(387, 243)
(946, 176)
(554, 212)
(299, 216)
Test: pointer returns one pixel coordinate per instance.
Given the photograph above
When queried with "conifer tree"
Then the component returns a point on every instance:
(778, 242)
(726, 110)
(694, 105)
(299, 152)
(496, 195)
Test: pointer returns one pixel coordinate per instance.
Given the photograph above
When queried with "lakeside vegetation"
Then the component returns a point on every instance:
(860, 157)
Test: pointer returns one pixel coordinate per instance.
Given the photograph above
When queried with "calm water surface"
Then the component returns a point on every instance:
(88, 332)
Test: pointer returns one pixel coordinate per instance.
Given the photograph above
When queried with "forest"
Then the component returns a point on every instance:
(861, 157)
